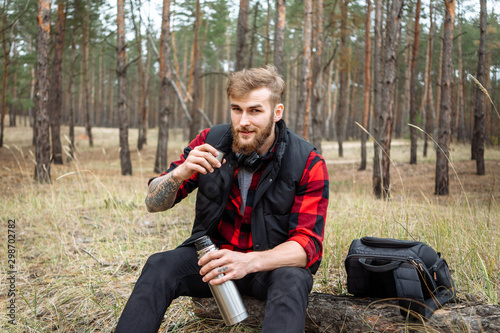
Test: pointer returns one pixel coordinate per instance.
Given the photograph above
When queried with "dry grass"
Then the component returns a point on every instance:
(82, 241)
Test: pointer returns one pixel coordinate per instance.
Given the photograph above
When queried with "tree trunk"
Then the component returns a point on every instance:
(145, 97)
(332, 313)
(6, 54)
(165, 82)
(241, 35)
(479, 132)
(55, 95)
(343, 82)
(405, 110)
(279, 36)
(302, 106)
(427, 108)
(335, 97)
(194, 126)
(85, 40)
(367, 84)
(121, 71)
(437, 103)
(141, 138)
(377, 91)
(71, 111)
(254, 32)
(100, 91)
(31, 111)
(15, 98)
(268, 39)
(317, 78)
(444, 131)
(384, 116)
(328, 133)
(42, 167)
(413, 83)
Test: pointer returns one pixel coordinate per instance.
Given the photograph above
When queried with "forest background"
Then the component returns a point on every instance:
(123, 88)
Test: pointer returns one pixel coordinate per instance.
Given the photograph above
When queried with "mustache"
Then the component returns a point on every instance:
(244, 129)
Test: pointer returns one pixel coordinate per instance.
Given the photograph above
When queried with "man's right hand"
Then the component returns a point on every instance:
(200, 159)
(163, 190)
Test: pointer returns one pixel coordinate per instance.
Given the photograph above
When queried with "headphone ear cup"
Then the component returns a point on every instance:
(240, 159)
(250, 162)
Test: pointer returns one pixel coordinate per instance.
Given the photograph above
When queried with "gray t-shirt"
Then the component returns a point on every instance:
(244, 179)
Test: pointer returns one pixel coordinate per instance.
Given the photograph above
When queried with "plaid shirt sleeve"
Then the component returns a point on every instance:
(190, 184)
(308, 215)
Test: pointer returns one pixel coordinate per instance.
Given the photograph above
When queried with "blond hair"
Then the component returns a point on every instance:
(244, 81)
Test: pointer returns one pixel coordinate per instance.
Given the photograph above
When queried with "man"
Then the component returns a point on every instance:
(264, 206)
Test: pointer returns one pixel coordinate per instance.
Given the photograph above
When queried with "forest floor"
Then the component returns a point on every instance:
(81, 242)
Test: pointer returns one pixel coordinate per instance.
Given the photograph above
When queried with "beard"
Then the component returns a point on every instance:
(246, 148)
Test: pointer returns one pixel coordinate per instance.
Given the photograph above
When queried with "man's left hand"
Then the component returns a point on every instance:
(233, 265)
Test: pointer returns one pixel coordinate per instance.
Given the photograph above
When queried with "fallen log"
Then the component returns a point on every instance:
(332, 313)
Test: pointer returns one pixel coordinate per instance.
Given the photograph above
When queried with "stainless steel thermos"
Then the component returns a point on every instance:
(226, 295)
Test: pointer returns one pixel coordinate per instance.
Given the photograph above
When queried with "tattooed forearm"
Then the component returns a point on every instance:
(161, 194)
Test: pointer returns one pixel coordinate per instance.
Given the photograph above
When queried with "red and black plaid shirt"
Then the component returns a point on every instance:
(307, 217)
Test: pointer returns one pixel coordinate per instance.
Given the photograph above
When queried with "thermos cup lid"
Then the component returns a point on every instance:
(203, 242)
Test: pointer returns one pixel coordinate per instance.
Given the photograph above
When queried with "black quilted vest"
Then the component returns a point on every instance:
(275, 194)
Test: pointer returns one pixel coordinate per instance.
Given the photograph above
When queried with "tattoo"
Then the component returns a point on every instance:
(223, 269)
(162, 192)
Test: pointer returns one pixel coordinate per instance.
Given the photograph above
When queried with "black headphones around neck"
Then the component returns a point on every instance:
(250, 162)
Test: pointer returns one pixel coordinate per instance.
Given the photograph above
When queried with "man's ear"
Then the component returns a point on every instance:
(278, 112)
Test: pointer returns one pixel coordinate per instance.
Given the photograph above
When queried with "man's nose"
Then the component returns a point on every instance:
(245, 119)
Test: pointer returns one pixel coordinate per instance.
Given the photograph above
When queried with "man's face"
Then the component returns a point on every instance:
(252, 122)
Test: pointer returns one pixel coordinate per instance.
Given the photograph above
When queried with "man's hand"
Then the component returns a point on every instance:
(236, 265)
(233, 265)
(162, 190)
(201, 159)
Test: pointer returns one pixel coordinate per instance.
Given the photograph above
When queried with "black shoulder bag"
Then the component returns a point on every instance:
(410, 271)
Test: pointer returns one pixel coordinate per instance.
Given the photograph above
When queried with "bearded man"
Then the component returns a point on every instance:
(264, 206)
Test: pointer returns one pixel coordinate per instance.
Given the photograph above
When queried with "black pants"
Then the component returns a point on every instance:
(168, 275)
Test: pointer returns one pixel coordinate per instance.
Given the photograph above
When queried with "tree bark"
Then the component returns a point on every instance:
(71, 122)
(479, 132)
(413, 83)
(437, 103)
(377, 91)
(332, 313)
(427, 108)
(121, 71)
(241, 35)
(405, 110)
(141, 113)
(165, 82)
(195, 124)
(305, 79)
(85, 40)
(343, 82)
(268, 39)
(279, 36)
(6, 45)
(385, 114)
(367, 84)
(15, 98)
(444, 131)
(254, 32)
(317, 78)
(55, 95)
(98, 103)
(42, 167)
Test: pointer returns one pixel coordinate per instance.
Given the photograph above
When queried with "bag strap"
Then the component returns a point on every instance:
(379, 269)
